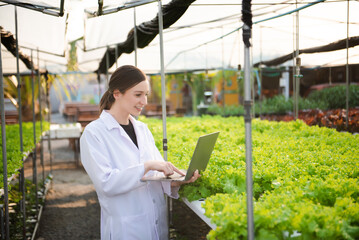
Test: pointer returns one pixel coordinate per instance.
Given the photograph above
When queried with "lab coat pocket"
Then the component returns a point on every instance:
(136, 227)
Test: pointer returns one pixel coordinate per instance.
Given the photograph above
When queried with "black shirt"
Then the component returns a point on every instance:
(130, 132)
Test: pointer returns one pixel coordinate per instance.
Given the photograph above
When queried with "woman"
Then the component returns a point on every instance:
(116, 152)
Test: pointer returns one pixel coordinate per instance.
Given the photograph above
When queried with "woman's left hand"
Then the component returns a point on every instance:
(195, 176)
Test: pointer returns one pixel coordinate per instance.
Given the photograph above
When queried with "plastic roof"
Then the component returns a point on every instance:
(193, 42)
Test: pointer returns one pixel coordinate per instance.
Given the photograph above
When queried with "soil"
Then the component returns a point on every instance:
(72, 210)
(186, 224)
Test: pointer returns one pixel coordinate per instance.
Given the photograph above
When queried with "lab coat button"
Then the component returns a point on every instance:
(157, 221)
(153, 200)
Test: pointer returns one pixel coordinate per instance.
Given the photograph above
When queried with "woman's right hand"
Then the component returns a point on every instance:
(166, 167)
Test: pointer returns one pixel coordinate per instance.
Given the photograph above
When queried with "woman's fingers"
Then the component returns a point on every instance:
(195, 176)
(158, 166)
(177, 170)
(166, 167)
(169, 168)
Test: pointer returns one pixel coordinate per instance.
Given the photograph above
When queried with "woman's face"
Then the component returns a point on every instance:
(134, 99)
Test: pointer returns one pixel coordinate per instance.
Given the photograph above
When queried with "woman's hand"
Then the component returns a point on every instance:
(166, 167)
(195, 176)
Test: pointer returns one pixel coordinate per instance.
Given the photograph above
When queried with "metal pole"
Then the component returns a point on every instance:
(239, 67)
(347, 70)
(252, 84)
(4, 158)
(61, 13)
(163, 80)
(40, 110)
(47, 90)
(223, 75)
(297, 87)
(248, 136)
(297, 72)
(18, 82)
(116, 55)
(293, 72)
(22, 173)
(107, 65)
(247, 32)
(297, 65)
(260, 71)
(99, 85)
(163, 97)
(2, 222)
(135, 35)
(34, 164)
(260, 93)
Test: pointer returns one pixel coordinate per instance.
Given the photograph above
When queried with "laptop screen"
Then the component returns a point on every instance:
(202, 154)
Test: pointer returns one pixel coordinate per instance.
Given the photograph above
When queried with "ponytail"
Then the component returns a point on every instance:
(106, 101)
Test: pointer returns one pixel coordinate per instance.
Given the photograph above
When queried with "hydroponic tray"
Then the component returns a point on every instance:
(196, 207)
(59, 131)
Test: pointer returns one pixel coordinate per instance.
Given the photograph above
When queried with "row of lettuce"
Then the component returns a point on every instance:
(13, 154)
(305, 178)
(328, 98)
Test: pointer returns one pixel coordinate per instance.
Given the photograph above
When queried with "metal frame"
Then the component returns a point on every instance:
(248, 101)
(40, 8)
(5, 233)
(100, 11)
(4, 157)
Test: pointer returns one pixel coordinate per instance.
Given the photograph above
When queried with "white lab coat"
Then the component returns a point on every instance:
(130, 209)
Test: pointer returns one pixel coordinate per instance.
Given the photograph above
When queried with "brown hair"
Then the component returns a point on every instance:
(122, 79)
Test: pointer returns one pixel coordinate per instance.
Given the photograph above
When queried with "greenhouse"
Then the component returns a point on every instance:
(255, 103)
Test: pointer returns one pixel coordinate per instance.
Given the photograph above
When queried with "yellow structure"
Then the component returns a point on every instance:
(176, 95)
(231, 95)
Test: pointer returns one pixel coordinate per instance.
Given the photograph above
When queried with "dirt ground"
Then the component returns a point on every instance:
(72, 210)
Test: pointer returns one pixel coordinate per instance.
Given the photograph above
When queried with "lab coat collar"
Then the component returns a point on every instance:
(109, 120)
(111, 123)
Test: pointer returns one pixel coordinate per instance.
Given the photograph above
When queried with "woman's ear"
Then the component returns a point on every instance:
(116, 94)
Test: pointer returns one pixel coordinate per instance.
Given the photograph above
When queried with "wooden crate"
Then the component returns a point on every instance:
(86, 114)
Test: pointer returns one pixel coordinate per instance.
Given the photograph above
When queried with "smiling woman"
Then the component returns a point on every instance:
(117, 151)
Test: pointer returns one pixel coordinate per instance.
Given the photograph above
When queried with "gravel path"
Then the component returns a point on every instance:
(71, 208)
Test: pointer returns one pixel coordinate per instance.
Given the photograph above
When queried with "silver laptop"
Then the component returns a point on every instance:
(200, 158)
